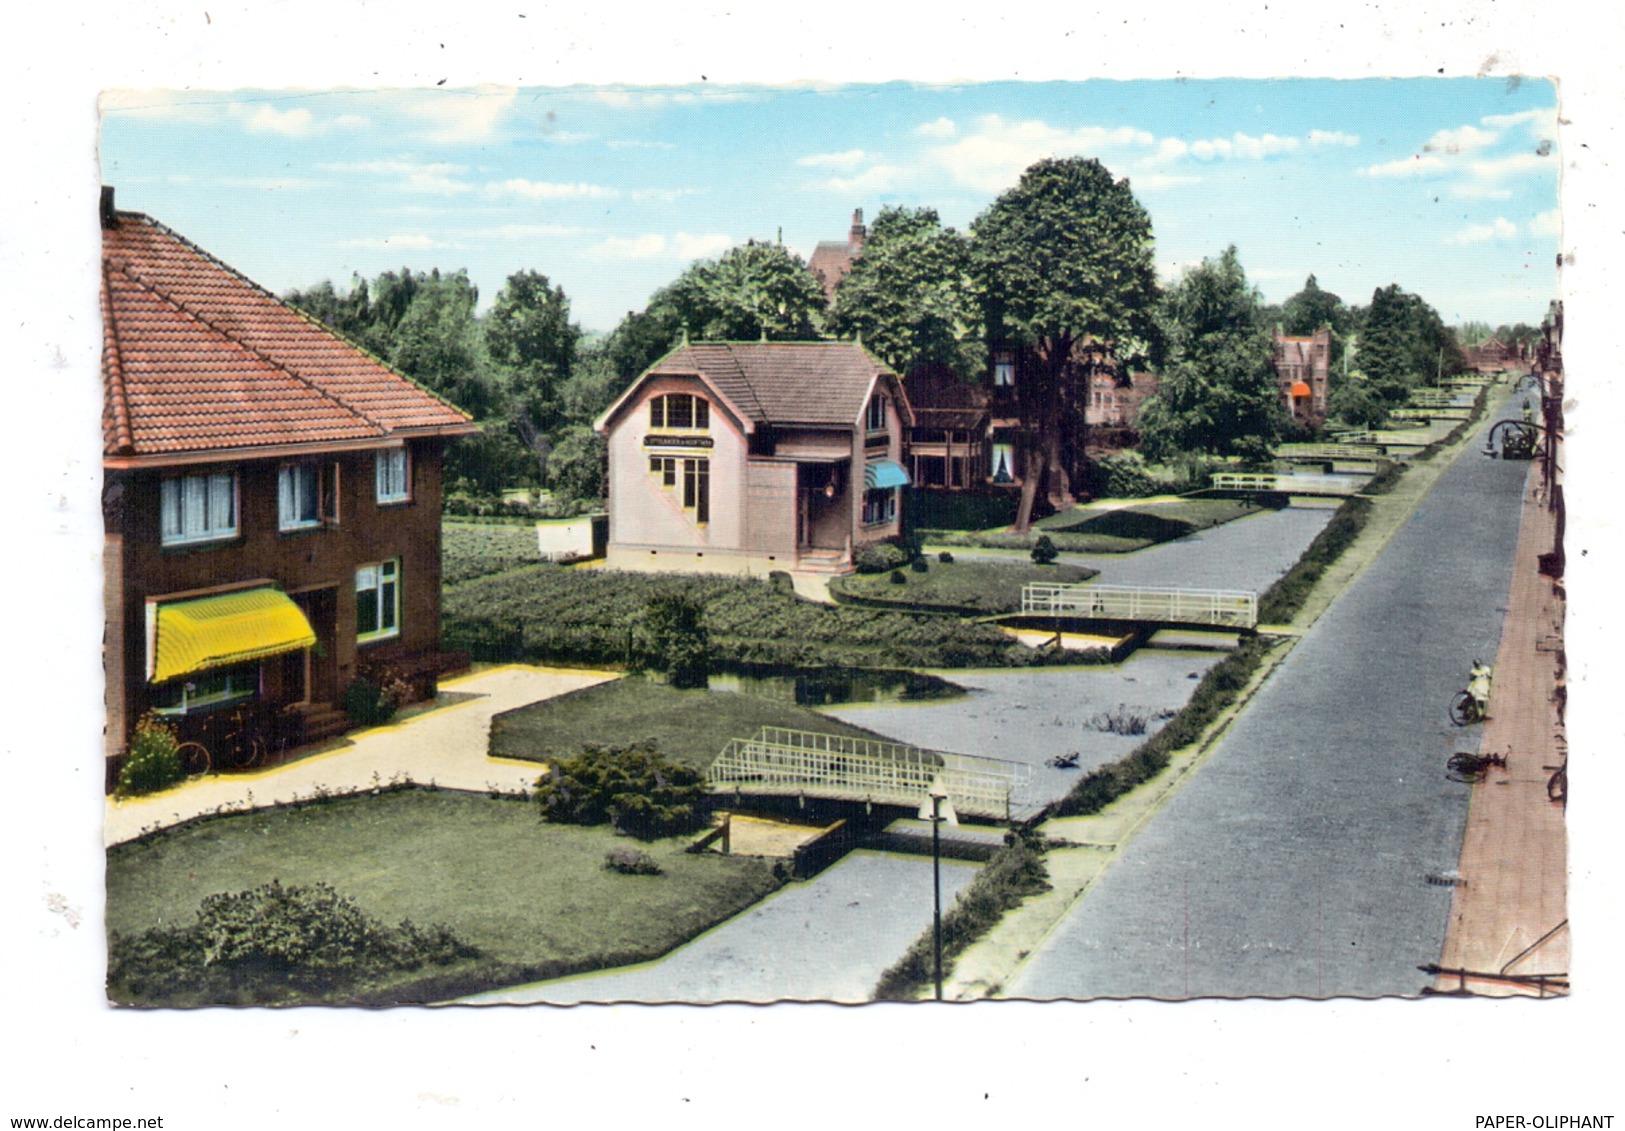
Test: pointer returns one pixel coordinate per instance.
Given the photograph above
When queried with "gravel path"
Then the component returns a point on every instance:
(829, 939)
(1297, 862)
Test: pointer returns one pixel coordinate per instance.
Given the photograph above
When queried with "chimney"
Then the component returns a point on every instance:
(109, 213)
(859, 233)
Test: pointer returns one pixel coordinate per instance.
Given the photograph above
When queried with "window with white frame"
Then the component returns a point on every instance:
(378, 601)
(207, 691)
(879, 506)
(198, 508)
(679, 410)
(299, 496)
(877, 413)
(394, 476)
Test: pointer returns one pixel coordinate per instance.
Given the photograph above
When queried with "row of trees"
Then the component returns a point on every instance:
(1062, 259)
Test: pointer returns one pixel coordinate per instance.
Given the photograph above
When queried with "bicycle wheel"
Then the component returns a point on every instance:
(195, 758)
(1557, 786)
(1463, 709)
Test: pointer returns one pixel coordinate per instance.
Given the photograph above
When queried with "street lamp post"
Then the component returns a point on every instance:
(937, 815)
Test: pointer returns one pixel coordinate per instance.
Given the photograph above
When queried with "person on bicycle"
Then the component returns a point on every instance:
(1478, 686)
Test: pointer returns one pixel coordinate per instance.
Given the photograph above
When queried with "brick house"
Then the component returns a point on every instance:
(271, 497)
(745, 458)
(1303, 366)
(832, 259)
(1114, 402)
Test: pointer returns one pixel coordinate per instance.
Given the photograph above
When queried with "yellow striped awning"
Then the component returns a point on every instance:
(231, 628)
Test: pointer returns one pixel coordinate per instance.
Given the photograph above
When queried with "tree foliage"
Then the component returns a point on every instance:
(754, 290)
(1063, 257)
(1404, 343)
(911, 295)
(1218, 394)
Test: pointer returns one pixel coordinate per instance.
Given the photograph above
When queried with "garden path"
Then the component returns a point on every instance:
(444, 744)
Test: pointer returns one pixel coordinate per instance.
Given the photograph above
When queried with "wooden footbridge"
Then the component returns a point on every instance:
(1329, 453)
(782, 761)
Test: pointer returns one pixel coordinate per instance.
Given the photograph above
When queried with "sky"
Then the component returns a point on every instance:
(1446, 186)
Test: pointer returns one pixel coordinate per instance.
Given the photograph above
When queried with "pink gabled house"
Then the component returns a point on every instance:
(1303, 365)
(746, 458)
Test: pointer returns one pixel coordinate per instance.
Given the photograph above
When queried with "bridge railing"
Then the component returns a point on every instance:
(1286, 484)
(1323, 452)
(1225, 608)
(783, 760)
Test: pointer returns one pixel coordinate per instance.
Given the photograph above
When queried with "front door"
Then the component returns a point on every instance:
(317, 666)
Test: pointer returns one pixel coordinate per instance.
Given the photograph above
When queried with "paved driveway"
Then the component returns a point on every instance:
(445, 745)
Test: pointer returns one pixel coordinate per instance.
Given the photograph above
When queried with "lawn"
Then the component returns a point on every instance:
(535, 898)
(690, 726)
(974, 587)
(1092, 529)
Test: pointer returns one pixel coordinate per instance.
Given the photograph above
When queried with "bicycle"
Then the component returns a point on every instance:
(1557, 786)
(1465, 709)
(1471, 768)
(195, 758)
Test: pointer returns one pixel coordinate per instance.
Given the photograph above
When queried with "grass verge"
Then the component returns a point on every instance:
(965, 588)
(534, 898)
(1121, 530)
(1015, 872)
(690, 726)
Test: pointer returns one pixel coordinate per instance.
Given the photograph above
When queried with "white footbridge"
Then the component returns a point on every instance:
(782, 761)
(1287, 484)
(1209, 608)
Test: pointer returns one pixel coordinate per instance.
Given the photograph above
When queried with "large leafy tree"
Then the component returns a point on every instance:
(911, 295)
(437, 343)
(1404, 343)
(533, 343)
(1063, 257)
(755, 290)
(1218, 394)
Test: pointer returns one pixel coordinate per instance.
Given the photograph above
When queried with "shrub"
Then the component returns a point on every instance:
(675, 642)
(898, 577)
(270, 939)
(154, 761)
(635, 788)
(781, 582)
(945, 558)
(368, 702)
(1044, 551)
(879, 557)
(920, 565)
(631, 862)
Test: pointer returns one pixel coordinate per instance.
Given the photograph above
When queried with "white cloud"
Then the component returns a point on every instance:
(395, 243)
(993, 157)
(665, 196)
(847, 159)
(1241, 146)
(878, 179)
(657, 99)
(548, 190)
(1156, 182)
(941, 128)
(1514, 165)
(1333, 137)
(1422, 165)
(1499, 229)
(297, 122)
(462, 115)
(436, 178)
(1466, 139)
(682, 246)
(1474, 190)
(1541, 121)
(1547, 223)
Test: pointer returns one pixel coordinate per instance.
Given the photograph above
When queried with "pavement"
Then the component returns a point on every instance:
(1001, 963)
(443, 743)
(1509, 913)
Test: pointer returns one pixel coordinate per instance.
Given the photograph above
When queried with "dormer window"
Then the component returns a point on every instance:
(877, 413)
(679, 410)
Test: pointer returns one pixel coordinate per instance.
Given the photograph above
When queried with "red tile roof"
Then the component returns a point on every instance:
(818, 383)
(196, 358)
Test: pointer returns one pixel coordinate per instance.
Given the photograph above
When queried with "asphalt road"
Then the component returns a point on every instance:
(1296, 863)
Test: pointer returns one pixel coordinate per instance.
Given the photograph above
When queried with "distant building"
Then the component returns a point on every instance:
(1495, 356)
(271, 497)
(745, 458)
(1303, 366)
(833, 259)
(1114, 403)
